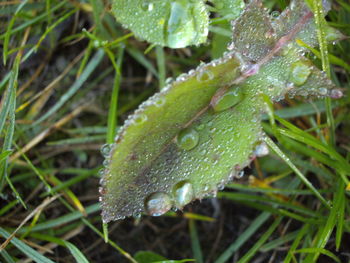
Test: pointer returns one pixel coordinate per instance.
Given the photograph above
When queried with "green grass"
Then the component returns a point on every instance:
(64, 93)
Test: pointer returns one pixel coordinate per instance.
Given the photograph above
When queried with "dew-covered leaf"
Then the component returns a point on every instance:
(175, 24)
(201, 130)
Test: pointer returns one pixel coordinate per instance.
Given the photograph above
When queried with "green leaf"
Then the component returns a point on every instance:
(76, 253)
(201, 130)
(148, 257)
(229, 9)
(175, 24)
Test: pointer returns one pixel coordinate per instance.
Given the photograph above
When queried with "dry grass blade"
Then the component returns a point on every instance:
(47, 131)
(38, 209)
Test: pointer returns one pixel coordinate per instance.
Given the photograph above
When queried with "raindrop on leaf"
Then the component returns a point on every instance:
(183, 193)
(228, 100)
(105, 150)
(187, 139)
(275, 14)
(158, 203)
(299, 73)
(261, 150)
(140, 119)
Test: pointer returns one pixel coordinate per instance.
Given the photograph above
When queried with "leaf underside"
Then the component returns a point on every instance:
(262, 60)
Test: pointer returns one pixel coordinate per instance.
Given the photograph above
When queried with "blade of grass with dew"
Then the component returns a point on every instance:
(113, 106)
(332, 59)
(321, 35)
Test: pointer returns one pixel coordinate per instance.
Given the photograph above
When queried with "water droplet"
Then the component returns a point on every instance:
(141, 118)
(106, 162)
(159, 102)
(101, 172)
(322, 91)
(239, 175)
(231, 98)
(105, 150)
(205, 75)
(299, 73)
(147, 6)
(251, 70)
(183, 193)
(336, 94)
(261, 150)
(137, 216)
(158, 203)
(187, 138)
(275, 14)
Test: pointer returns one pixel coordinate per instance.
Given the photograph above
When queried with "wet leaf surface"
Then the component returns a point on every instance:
(200, 131)
(175, 24)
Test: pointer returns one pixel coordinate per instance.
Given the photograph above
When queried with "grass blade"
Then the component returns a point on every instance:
(27, 250)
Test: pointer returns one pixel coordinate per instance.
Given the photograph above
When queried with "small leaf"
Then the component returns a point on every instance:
(175, 24)
(201, 130)
(148, 257)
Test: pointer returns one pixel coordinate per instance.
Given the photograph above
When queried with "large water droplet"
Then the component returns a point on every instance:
(147, 6)
(231, 98)
(158, 203)
(261, 150)
(187, 138)
(275, 14)
(141, 118)
(159, 102)
(183, 193)
(299, 73)
(336, 94)
(106, 149)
